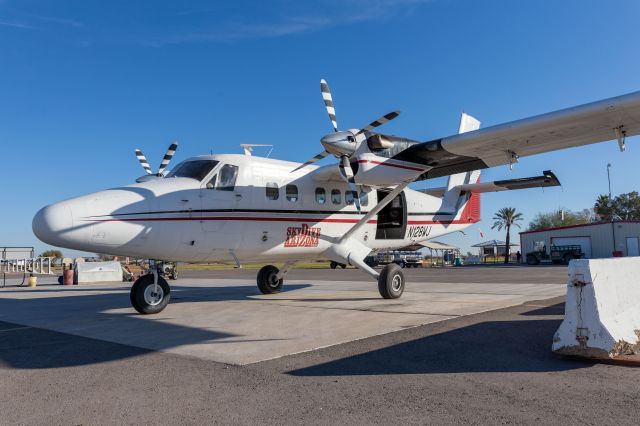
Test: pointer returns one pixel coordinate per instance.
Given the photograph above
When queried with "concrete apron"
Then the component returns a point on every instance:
(230, 321)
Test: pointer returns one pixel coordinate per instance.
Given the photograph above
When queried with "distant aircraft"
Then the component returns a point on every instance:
(242, 208)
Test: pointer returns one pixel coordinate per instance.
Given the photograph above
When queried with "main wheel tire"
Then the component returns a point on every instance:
(267, 280)
(333, 265)
(391, 281)
(145, 299)
(343, 266)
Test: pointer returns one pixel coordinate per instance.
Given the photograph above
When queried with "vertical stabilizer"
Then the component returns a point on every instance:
(453, 200)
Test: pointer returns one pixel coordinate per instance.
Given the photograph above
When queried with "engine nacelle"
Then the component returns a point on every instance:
(380, 171)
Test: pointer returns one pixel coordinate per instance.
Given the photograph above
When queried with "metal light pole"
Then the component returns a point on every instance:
(613, 227)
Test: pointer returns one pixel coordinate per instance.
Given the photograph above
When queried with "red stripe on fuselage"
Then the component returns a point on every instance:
(237, 218)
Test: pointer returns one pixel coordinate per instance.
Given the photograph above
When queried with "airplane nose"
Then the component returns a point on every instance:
(52, 221)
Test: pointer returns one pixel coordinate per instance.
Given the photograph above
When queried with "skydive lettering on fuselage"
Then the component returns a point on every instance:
(418, 231)
(304, 236)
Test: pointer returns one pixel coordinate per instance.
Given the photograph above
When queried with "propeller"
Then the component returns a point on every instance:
(379, 122)
(328, 103)
(347, 173)
(167, 158)
(163, 164)
(342, 144)
(143, 162)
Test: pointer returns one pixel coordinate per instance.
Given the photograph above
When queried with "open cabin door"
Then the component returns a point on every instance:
(392, 219)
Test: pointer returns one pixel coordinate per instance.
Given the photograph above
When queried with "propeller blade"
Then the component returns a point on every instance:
(167, 158)
(313, 160)
(328, 103)
(347, 171)
(379, 122)
(143, 162)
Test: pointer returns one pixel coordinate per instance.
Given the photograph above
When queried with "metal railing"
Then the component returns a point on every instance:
(34, 265)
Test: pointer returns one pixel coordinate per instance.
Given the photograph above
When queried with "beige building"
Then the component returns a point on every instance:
(596, 239)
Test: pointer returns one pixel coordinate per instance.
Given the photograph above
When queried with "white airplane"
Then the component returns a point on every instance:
(246, 208)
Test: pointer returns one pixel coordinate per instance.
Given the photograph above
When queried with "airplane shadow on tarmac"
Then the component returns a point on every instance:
(23, 346)
(491, 347)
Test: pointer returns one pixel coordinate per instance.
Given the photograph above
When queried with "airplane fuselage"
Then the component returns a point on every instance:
(243, 208)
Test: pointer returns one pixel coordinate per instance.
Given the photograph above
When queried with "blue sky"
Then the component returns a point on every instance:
(83, 83)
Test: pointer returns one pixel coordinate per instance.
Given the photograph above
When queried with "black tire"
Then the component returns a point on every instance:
(343, 266)
(333, 265)
(144, 300)
(532, 260)
(267, 282)
(391, 281)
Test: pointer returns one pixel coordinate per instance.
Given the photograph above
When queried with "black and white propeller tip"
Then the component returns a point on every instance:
(328, 103)
(143, 162)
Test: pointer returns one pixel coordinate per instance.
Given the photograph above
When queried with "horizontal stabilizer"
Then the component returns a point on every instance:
(547, 179)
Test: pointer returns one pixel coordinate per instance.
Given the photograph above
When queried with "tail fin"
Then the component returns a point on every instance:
(465, 205)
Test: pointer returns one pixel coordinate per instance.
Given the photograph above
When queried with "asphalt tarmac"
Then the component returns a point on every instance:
(492, 367)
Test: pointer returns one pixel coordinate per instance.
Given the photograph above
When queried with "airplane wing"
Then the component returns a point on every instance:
(599, 121)
(547, 179)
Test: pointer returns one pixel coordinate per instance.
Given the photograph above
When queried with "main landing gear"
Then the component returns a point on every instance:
(268, 280)
(391, 281)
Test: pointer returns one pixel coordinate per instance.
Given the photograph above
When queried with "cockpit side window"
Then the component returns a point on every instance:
(227, 178)
(196, 169)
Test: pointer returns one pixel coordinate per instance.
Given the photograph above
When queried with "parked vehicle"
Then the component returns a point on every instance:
(404, 259)
(557, 255)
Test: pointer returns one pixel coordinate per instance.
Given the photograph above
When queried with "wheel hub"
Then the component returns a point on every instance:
(153, 295)
(273, 281)
(396, 283)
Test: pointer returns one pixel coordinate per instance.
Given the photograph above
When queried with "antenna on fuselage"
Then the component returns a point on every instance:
(248, 148)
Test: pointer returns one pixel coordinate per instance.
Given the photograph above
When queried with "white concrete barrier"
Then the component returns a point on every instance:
(91, 272)
(602, 312)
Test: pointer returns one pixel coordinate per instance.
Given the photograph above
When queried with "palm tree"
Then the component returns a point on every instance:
(604, 207)
(505, 218)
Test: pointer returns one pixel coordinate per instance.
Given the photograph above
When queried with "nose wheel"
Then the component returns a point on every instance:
(148, 297)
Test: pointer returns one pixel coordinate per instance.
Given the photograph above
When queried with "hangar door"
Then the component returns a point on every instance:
(633, 246)
(583, 242)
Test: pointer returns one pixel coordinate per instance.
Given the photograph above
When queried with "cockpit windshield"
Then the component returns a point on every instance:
(197, 169)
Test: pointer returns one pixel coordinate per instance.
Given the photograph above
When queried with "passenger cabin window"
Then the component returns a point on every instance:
(321, 196)
(336, 196)
(364, 198)
(197, 169)
(272, 191)
(226, 180)
(291, 192)
(348, 197)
